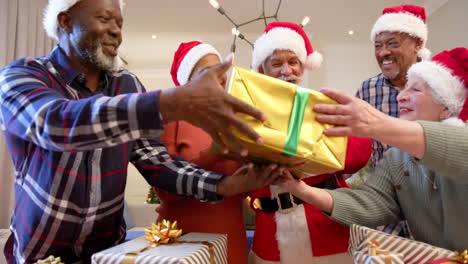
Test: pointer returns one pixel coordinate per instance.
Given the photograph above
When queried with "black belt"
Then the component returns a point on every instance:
(284, 201)
(281, 202)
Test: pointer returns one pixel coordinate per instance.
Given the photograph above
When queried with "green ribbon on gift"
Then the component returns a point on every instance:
(295, 121)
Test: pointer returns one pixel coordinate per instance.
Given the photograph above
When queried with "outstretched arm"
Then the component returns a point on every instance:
(354, 117)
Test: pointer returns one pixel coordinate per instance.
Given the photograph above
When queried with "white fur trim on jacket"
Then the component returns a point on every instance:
(53, 9)
(292, 234)
(405, 23)
(191, 58)
(277, 39)
(445, 88)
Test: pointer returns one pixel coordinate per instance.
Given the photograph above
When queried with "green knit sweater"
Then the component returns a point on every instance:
(431, 194)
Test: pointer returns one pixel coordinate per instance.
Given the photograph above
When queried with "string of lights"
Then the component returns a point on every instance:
(235, 30)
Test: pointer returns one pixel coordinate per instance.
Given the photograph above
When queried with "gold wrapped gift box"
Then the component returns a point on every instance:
(292, 136)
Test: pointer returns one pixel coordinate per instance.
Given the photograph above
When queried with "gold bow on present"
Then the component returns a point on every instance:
(461, 257)
(374, 250)
(50, 260)
(162, 233)
(165, 232)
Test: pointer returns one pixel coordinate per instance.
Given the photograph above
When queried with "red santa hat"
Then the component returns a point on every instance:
(407, 19)
(185, 58)
(285, 36)
(447, 77)
(53, 9)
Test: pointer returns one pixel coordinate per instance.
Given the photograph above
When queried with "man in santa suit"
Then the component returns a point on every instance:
(287, 230)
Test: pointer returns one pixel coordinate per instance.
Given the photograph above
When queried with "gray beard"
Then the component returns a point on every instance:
(392, 76)
(95, 56)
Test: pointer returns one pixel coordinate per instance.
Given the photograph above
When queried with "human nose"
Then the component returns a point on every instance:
(383, 52)
(115, 30)
(286, 69)
(402, 96)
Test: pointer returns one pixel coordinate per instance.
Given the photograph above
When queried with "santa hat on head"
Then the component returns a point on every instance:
(447, 77)
(285, 36)
(185, 58)
(407, 19)
(53, 9)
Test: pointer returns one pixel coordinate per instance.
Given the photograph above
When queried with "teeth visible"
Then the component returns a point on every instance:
(386, 62)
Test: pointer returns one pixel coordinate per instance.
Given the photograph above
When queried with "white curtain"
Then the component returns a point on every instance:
(21, 35)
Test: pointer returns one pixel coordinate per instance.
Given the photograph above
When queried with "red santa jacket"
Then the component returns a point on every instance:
(326, 236)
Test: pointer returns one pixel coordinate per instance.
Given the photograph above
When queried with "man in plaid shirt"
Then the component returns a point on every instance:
(399, 38)
(72, 123)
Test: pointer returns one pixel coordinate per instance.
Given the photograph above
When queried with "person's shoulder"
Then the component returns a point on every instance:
(373, 79)
(131, 80)
(25, 65)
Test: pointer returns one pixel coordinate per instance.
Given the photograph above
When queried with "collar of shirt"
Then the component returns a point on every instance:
(70, 73)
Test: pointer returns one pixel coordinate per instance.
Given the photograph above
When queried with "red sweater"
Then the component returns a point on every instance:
(225, 217)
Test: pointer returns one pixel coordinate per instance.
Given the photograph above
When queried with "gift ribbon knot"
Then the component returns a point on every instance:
(164, 232)
(461, 257)
(374, 250)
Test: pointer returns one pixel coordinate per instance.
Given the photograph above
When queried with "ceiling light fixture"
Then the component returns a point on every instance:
(235, 30)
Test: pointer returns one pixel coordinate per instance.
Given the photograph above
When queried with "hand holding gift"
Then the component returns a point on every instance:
(250, 177)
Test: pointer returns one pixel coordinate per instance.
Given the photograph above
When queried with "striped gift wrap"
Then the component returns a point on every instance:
(413, 252)
(178, 253)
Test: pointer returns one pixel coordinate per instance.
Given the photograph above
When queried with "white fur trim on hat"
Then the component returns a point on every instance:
(53, 9)
(404, 23)
(191, 58)
(454, 121)
(280, 38)
(313, 61)
(424, 53)
(445, 88)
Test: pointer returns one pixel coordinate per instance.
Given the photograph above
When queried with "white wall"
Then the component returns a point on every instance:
(448, 27)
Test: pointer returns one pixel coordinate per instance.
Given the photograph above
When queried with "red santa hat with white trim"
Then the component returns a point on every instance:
(407, 19)
(53, 9)
(185, 58)
(447, 77)
(285, 36)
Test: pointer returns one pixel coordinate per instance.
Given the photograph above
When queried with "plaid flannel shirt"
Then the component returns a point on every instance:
(71, 147)
(381, 94)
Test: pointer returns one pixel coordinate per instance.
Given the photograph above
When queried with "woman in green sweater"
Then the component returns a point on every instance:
(424, 177)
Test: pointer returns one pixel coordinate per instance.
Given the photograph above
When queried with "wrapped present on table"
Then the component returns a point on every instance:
(292, 137)
(163, 243)
(375, 255)
(413, 252)
(458, 258)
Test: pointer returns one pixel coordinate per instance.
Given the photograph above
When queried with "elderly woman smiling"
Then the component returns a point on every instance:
(424, 178)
